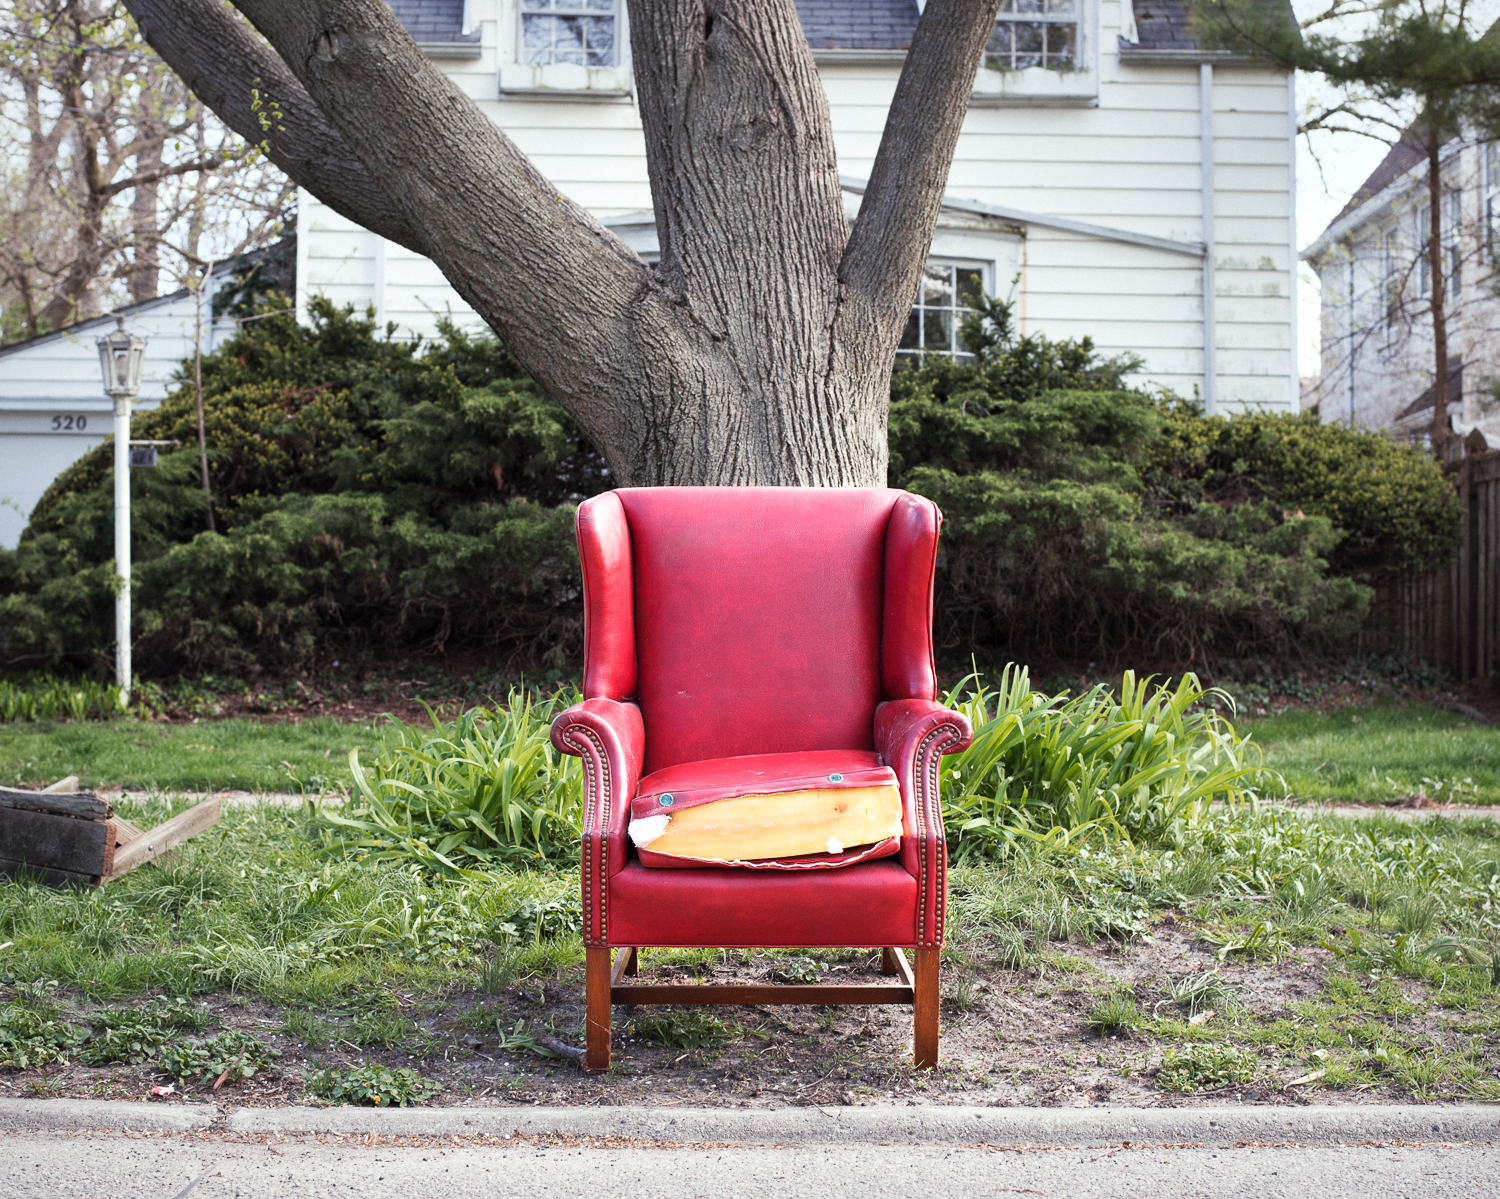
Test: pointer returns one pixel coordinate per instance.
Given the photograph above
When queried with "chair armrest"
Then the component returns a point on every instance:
(912, 735)
(610, 737)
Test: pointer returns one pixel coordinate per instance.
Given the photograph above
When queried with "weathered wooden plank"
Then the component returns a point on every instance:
(45, 839)
(48, 875)
(83, 804)
(735, 993)
(152, 844)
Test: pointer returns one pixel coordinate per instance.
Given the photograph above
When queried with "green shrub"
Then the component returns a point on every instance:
(369, 494)
(485, 789)
(372, 1085)
(1142, 765)
(235, 1055)
(1087, 520)
(1207, 1068)
(48, 698)
(31, 1038)
(377, 496)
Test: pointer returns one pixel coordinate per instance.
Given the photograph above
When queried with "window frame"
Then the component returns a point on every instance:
(521, 80)
(983, 268)
(1046, 86)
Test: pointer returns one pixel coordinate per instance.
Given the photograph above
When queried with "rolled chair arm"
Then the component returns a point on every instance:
(610, 737)
(913, 735)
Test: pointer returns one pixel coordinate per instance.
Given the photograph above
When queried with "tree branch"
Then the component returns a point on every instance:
(224, 64)
(893, 232)
(570, 299)
(146, 178)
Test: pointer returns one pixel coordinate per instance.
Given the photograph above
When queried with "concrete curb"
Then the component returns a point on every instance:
(106, 1113)
(908, 1125)
(802, 1125)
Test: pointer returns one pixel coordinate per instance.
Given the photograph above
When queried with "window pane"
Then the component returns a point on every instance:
(1060, 6)
(601, 5)
(937, 286)
(1030, 44)
(536, 39)
(537, 5)
(1031, 5)
(937, 330)
(1060, 44)
(599, 33)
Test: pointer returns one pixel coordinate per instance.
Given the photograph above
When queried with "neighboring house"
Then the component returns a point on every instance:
(52, 403)
(1079, 186)
(1378, 365)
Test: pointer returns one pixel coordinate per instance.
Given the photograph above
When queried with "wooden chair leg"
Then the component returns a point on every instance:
(597, 1007)
(633, 967)
(925, 1004)
(888, 961)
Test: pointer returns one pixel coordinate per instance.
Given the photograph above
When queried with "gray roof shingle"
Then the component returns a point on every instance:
(858, 24)
(433, 21)
(1162, 25)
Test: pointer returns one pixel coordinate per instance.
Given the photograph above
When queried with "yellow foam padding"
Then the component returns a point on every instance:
(751, 828)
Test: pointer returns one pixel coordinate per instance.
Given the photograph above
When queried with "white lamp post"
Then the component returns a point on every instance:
(120, 357)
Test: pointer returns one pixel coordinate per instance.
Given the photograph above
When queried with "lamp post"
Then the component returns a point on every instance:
(120, 357)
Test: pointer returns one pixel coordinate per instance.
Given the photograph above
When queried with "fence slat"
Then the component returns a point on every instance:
(1451, 616)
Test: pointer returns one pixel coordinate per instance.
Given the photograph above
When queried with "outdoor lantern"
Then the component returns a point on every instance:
(120, 358)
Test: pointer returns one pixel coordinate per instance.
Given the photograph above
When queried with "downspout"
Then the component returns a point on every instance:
(1291, 231)
(1206, 162)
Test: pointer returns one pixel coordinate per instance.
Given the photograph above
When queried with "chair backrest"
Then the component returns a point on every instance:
(757, 619)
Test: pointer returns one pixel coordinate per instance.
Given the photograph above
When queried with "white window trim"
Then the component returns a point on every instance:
(1044, 87)
(566, 82)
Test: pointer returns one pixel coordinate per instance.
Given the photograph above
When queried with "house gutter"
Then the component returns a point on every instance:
(1020, 216)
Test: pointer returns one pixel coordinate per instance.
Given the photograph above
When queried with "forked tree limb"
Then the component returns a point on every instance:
(224, 64)
(893, 232)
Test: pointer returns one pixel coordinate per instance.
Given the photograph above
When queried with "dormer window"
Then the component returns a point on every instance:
(1034, 33)
(580, 32)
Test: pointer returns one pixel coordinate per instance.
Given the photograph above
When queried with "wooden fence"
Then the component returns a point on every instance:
(1451, 617)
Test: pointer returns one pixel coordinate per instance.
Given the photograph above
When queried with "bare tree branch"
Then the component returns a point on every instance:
(893, 232)
(225, 65)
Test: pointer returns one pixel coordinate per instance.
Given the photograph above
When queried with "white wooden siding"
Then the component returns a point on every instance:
(1130, 163)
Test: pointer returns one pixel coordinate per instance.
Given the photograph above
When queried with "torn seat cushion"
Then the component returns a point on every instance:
(812, 810)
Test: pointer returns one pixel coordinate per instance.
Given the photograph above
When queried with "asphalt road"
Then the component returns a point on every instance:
(210, 1166)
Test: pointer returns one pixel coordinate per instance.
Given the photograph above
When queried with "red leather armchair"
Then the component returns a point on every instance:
(723, 622)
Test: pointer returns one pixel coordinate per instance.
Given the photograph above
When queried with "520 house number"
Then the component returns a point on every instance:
(69, 424)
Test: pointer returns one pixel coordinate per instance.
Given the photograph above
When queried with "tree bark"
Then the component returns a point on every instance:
(145, 270)
(1440, 430)
(758, 350)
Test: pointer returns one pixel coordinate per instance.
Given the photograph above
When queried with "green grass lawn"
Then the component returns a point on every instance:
(210, 756)
(1381, 753)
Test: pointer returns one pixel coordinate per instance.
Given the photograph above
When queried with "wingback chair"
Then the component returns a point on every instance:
(780, 635)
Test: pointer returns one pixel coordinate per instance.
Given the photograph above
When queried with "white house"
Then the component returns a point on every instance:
(1102, 153)
(1377, 359)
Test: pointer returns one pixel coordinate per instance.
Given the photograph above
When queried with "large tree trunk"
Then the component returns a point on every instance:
(759, 349)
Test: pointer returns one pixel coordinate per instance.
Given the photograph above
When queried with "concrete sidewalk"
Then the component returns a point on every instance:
(954, 1126)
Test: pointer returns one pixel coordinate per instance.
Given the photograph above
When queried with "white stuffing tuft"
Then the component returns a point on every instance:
(647, 829)
(834, 846)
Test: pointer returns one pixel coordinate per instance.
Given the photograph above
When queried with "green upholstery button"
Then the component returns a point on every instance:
(835, 778)
(665, 801)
